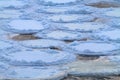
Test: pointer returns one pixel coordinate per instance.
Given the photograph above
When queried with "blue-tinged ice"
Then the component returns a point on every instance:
(114, 58)
(39, 58)
(40, 73)
(109, 35)
(43, 43)
(94, 48)
(115, 12)
(61, 35)
(84, 27)
(4, 45)
(9, 14)
(70, 18)
(24, 26)
(56, 2)
(11, 3)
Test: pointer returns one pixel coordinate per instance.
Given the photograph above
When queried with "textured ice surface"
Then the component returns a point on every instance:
(94, 48)
(37, 73)
(56, 2)
(113, 13)
(54, 21)
(6, 14)
(86, 26)
(2, 32)
(3, 68)
(39, 58)
(61, 35)
(43, 43)
(5, 45)
(66, 10)
(24, 26)
(69, 18)
(54, 10)
(11, 3)
(115, 58)
(60, 1)
(111, 35)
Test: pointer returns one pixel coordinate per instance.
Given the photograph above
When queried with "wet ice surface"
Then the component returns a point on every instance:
(49, 39)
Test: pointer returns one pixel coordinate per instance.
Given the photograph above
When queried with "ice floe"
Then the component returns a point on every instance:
(94, 48)
(24, 26)
(37, 73)
(84, 27)
(108, 35)
(65, 10)
(5, 45)
(39, 58)
(61, 35)
(70, 18)
(9, 14)
(43, 43)
(11, 3)
(56, 2)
